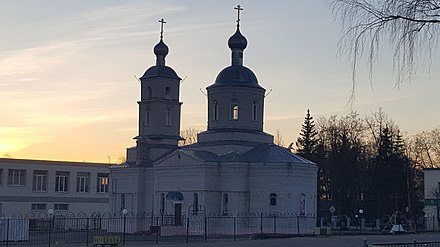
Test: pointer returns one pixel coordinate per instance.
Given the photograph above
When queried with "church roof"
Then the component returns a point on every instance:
(160, 71)
(268, 153)
(273, 153)
(236, 75)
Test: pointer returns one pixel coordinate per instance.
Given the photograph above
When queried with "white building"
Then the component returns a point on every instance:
(34, 186)
(233, 168)
(432, 197)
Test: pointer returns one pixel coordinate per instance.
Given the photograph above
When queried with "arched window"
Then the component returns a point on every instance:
(225, 204)
(215, 110)
(273, 199)
(147, 117)
(254, 111)
(302, 205)
(167, 93)
(168, 120)
(234, 111)
(149, 93)
(195, 203)
(162, 203)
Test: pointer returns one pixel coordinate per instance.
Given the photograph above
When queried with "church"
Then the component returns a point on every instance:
(233, 168)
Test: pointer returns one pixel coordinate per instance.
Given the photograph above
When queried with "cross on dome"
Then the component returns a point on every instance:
(162, 21)
(238, 8)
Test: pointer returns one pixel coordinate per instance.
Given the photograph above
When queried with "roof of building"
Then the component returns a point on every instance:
(236, 75)
(51, 162)
(160, 71)
(266, 153)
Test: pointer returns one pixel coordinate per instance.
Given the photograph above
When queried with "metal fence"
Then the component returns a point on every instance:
(59, 229)
(412, 244)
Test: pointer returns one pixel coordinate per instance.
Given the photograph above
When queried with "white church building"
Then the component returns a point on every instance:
(234, 167)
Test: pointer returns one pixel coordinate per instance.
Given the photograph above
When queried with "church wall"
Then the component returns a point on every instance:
(235, 182)
(241, 96)
(220, 149)
(234, 135)
(128, 189)
(288, 182)
(157, 86)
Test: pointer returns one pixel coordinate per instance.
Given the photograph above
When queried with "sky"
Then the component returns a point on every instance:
(68, 69)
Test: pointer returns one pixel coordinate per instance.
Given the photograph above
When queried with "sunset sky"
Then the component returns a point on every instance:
(67, 70)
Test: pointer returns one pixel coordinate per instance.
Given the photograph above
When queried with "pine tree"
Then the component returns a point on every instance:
(307, 142)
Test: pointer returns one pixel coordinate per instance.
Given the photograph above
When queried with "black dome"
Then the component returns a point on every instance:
(160, 71)
(161, 49)
(236, 76)
(237, 41)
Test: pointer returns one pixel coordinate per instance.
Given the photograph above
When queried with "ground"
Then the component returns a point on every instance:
(331, 241)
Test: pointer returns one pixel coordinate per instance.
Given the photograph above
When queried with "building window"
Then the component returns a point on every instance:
(16, 177)
(1, 177)
(168, 120)
(162, 203)
(195, 203)
(167, 93)
(39, 183)
(61, 207)
(147, 117)
(234, 111)
(215, 110)
(225, 204)
(273, 199)
(102, 183)
(302, 205)
(149, 93)
(38, 206)
(254, 111)
(61, 181)
(82, 182)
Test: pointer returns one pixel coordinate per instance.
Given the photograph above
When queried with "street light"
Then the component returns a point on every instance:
(361, 211)
(124, 212)
(50, 212)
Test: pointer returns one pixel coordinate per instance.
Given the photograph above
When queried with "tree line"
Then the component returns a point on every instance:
(367, 163)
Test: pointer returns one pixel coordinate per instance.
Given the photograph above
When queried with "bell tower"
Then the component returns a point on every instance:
(159, 108)
(236, 99)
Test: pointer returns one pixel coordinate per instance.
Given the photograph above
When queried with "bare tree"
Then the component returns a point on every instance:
(121, 160)
(425, 148)
(189, 136)
(410, 27)
(278, 139)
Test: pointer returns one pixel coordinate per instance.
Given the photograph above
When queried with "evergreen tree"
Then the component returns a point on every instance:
(307, 142)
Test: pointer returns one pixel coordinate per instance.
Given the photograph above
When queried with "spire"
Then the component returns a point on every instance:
(237, 42)
(161, 49)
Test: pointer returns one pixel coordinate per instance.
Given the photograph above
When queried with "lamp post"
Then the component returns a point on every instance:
(361, 212)
(50, 212)
(124, 212)
(357, 219)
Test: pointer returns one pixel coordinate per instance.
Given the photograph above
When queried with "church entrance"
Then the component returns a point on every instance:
(177, 214)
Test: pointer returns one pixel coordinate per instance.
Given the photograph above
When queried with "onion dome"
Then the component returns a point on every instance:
(160, 50)
(237, 41)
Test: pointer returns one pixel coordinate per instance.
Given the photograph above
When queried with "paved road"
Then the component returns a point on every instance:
(331, 241)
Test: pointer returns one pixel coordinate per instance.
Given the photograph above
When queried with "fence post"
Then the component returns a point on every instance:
(235, 229)
(187, 230)
(274, 225)
(206, 229)
(261, 225)
(297, 224)
(365, 242)
(88, 232)
(7, 232)
(415, 243)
